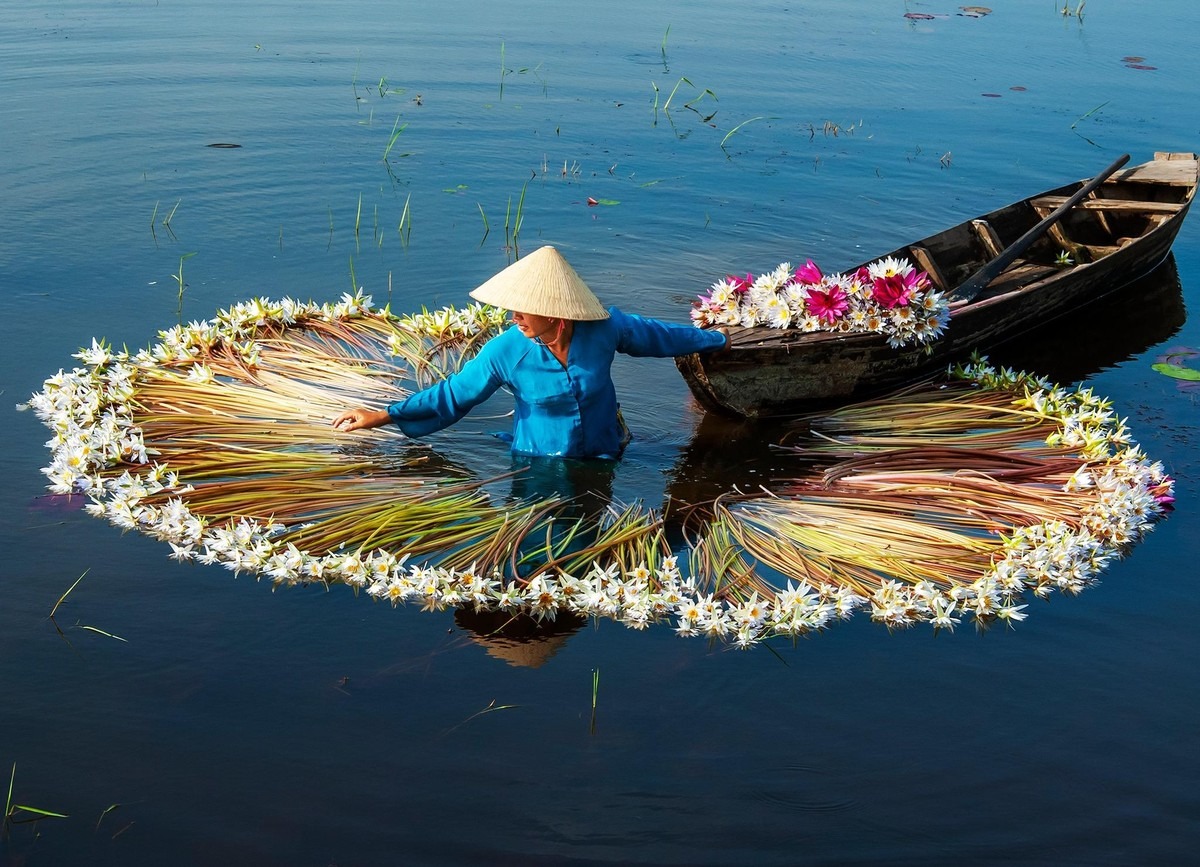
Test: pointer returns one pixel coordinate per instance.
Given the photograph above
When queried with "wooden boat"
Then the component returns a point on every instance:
(1003, 276)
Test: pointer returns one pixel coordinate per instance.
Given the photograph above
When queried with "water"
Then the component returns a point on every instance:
(240, 726)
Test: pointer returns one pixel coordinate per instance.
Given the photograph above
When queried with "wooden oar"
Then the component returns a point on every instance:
(974, 284)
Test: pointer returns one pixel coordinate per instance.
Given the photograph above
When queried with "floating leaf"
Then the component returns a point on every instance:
(1019, 88)
(991, 95)
(102, 632)
(1132, 58)
(1177, 372)
(919, 16)
(1139, 66)
(39, 812)
(975, 11)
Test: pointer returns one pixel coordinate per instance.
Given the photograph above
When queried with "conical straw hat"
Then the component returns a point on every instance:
(544, 284)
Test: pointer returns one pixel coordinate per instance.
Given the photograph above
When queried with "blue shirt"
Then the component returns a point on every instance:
(563, 411)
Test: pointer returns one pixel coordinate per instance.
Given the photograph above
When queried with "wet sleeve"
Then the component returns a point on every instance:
(445, 402)
(640, 335)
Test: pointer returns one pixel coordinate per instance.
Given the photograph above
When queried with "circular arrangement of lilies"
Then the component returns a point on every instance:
(944, 503)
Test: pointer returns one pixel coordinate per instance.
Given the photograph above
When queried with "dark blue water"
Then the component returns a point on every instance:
(235, 725)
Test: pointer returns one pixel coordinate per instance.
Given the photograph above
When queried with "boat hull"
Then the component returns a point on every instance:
(772, 372)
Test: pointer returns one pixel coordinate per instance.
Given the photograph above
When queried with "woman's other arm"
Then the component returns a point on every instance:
(643, 336)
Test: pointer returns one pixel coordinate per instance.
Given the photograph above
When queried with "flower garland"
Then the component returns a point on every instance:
(888, 297)
(98, 449)
(1129, 493)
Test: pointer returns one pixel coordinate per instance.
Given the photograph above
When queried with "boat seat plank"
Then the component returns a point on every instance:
(987, 235)
(1044, 206)
(1177, 170)
(927, 264)
(1049, 203)
(1102, 216)
(1020, 274)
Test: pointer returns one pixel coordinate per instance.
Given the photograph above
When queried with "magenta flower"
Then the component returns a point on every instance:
(808, 273)
(1163, 494)
(829, 304)
(741, 285)
(894, 291)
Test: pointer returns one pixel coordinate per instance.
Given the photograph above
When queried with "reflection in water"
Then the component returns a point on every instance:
(1175, 361)
(408, 459)
(518, 639)
(727, 455)
(1115, 329)
(586, 486)
(581, 491)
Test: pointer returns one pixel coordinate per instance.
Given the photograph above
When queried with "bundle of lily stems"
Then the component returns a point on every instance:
(936, 504)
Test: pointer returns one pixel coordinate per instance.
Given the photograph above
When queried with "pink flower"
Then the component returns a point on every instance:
(1163, 494)
(741, 285)
(704, 313)
(808, 273)
(863, 275)
(829, 305)
(894, 291)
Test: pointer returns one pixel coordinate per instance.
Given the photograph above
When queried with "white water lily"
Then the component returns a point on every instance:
(781, 299)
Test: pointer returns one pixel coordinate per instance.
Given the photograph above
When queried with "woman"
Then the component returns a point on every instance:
(556, 362)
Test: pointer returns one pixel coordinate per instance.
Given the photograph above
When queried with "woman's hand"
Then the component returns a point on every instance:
(361, 418)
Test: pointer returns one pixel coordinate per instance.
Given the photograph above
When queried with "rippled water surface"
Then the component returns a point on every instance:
(234, 725)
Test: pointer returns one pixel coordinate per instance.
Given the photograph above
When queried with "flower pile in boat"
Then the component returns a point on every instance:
(888, 297)
(932, 505)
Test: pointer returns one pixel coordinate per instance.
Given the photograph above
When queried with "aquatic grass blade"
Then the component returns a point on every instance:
(63, 598)
(734, 131)
(8, 800)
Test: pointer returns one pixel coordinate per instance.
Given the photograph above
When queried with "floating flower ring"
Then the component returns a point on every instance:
(928, 506)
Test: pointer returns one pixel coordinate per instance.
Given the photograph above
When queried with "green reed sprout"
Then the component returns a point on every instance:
(404, 228)
(595, 693)
(737, 128)
(486, 228)
(12, 811)
(63, 598)
(394, 137)
(1089, 113)
(100, 632)
(180, 283)
(514, 221)
(504, 70)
